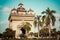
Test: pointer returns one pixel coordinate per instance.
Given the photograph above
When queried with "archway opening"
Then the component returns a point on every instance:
(23, 30)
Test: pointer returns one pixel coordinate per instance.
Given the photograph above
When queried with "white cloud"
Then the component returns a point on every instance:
(6, 9)
(3, 25)
(3, 22)
(57, 16)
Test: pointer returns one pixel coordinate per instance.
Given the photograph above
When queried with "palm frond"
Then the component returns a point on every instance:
(53, 11)
(35, 23)
(47, 10)
(43, 12)
(53, 20)
(28, 24)
(38, 17)
(43, 17)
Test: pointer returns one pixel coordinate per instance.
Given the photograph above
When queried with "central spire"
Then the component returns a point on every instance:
(21, 8)
(20, 5)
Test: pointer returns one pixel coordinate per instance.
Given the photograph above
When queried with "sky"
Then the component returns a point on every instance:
(36, 5)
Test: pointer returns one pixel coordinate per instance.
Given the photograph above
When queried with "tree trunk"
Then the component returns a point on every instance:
(49, 30)
(38, 31)
(27, 33)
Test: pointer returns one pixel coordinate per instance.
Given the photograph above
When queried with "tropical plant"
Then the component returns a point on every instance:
(35, 34)
(58, 32)
(50, 15)
(31, 33)
(53, 32)
(27, 27)
(37, 22)
(43, 32)
(50, 18)
(9, 33)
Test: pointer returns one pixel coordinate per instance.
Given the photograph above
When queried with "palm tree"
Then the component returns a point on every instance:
(50, 18)
(37, 23)
(27, 27)
(43, 20)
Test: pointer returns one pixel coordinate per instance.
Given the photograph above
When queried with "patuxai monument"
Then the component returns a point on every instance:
(18, 17)
(29, 19)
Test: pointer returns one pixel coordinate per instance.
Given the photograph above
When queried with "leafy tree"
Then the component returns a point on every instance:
(58, 33)
(27, 27)
(50, 18)
(49, 14)
(43, 32)
(37, 23)
(9, 33)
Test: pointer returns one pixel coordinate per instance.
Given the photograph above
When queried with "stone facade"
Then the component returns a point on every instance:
(18, 17)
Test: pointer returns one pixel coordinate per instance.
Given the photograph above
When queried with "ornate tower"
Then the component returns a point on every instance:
(18, 17)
